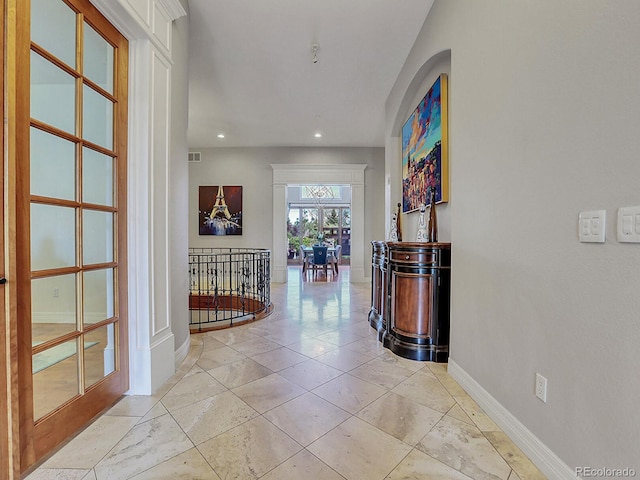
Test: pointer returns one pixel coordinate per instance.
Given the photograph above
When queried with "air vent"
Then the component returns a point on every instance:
(194, 156)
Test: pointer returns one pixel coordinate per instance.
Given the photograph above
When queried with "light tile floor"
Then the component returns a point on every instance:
(307, 393)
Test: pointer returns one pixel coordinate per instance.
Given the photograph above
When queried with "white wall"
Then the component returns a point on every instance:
(251, 168)
(178, 186)
(544, 114)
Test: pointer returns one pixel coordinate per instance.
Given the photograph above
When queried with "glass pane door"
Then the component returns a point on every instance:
(77, 229)
(74, 261)
(310, 226)
(293, 236)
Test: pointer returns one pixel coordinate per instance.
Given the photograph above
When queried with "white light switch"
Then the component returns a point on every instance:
(592, 226)
(629, 224)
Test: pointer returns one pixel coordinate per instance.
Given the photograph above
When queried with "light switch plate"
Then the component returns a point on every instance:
(629, 224)
(592, 225)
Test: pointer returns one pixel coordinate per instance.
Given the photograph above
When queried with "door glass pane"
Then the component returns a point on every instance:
(53, 167)
(53, 307)
(293, 233)
(55, 377)
(53, 236)
(346, 217)
(99, 354)
(53, 27)
(98, 59)
(53, 94)
(97, 118)
(97, 177)
(97, 238)
(98, 296)
(330, 222)
(309, 226)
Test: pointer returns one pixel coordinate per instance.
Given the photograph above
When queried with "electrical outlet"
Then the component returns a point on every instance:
(541, 387)
(56, 292)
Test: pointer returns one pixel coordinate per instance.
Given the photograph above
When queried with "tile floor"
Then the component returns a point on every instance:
(307, 393)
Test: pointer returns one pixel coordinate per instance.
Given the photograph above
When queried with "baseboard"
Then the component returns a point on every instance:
(151, 366)
(183, 351)
(547, 461)
(162, 361)
(279, 275)
(358, 275)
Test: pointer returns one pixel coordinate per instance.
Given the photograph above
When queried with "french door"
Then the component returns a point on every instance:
(305, 223)
(70, 246)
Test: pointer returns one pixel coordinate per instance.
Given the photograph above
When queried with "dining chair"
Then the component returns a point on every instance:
(318, 259)
(303, 258)
(336, 257)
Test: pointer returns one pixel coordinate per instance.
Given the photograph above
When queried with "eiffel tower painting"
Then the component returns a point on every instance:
(220, 210)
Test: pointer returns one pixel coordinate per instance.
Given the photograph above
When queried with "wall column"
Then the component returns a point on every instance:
(147, 24)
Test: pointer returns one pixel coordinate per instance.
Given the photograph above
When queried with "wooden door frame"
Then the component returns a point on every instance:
(10, 451)
(18, 449)
(67, 418)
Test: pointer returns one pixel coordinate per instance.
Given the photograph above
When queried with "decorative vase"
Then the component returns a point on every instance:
(393, 233)
(422, 225)
(432, 235)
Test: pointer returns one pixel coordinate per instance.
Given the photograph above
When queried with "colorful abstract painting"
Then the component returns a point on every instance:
(220, 210)
(424, 149)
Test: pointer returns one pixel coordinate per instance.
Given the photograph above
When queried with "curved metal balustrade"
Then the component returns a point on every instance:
(228, 286)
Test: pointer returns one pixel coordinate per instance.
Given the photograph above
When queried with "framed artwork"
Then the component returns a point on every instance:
(220, 210)
(425, 150)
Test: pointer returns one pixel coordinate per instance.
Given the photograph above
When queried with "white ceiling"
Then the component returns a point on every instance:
(251, 74)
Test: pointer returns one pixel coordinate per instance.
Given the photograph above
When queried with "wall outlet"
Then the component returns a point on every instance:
(541, 387)
(56, 292)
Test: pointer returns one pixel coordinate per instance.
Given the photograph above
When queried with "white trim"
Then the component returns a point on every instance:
(173, 7)
(152, 363)
(151, 342)
(340, 174)
(547, 461)
(161, 25)
(182, 351)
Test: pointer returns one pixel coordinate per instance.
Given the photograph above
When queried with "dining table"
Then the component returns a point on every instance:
(331, 252)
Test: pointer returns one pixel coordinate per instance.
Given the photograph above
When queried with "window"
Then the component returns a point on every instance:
(321, 192)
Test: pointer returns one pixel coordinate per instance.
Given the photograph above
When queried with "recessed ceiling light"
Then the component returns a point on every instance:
(221, 135)
(318, 135)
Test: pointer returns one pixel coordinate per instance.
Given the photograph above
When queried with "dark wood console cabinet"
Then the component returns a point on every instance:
(378, 287)
(410, 290)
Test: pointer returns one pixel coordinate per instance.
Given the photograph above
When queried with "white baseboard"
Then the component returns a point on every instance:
(279, 275)
(358, 275)
(183, 351)
(151, 366)
(547, 461)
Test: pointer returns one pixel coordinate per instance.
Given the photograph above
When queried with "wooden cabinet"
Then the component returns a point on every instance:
(378, 287)
(410, 298)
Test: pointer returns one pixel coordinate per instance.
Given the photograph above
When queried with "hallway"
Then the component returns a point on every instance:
(306, 393)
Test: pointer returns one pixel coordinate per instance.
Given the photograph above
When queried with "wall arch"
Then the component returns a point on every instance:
(407, 101)
(421, 75)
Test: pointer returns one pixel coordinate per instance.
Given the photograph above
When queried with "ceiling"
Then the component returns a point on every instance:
(252, 78)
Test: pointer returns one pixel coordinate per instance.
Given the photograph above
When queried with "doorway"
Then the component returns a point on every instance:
(67, 71)
(318, 213)
(336, 174)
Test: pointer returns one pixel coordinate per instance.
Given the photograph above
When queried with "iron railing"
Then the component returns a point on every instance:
(227, 286)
